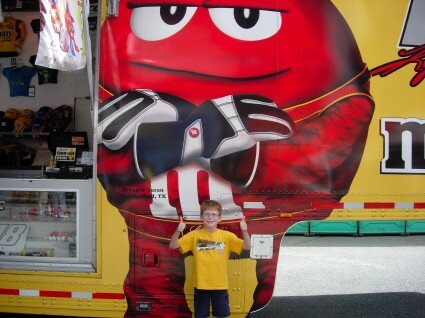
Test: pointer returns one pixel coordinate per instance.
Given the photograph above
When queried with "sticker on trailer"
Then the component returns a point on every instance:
(12, 237)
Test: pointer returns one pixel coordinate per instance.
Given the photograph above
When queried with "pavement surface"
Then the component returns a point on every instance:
(353, 277)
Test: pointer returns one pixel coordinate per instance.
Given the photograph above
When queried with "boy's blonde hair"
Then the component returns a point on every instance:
(210, 204)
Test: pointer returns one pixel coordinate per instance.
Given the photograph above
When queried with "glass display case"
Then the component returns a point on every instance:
(47, 224)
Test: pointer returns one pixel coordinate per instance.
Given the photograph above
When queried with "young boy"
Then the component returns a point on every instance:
(211, 248)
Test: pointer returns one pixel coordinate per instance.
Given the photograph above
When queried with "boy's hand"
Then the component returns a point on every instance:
(174, 242)
(246, 237)
(244, 226)
(181, 226)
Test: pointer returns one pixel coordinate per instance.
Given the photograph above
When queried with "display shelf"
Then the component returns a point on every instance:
(20, 154)
(27, 217)
(34, 155)
(55, 249)
(23, 135)
(37, 206)
(43, 225)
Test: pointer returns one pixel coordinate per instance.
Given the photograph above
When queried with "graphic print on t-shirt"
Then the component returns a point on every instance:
(207, 245)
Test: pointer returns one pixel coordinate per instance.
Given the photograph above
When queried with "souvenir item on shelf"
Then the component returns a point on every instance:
(23, 124)
(16, 30)
(6, 124)
(12, 113)
(49, 120)
(7, 121)
(45, 75)
(42, 121)
(19, 79)
(42, 156)
(60, 236)
(17, 121)
(39, 252)
(62, 116)
(28, 113)
(2, 203)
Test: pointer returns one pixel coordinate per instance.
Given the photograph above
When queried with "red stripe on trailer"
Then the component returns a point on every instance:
(62, 294)
(328, 205)
(108, 296)
(9, 291)
(419, 205)
(55, 293)
(379, 205)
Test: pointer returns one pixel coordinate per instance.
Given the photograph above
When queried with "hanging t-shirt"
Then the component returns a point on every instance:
(35, 25)
(45, 75)
(210, 256)
(12, 36)
(19, 79)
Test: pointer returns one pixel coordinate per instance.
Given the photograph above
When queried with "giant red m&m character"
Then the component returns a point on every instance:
(262, 105)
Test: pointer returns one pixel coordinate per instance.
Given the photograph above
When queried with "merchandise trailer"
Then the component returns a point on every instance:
(134, 112)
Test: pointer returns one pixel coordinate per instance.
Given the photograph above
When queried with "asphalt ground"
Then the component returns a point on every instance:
(353, 277)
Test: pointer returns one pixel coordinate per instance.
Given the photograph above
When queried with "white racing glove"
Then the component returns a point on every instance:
(119, 116)
(215, 129)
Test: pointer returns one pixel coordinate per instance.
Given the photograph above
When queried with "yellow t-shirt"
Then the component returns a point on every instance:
(210, 256)
(12, 36)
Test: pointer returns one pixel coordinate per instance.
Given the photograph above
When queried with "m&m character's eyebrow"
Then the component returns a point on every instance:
(151, 3)
(271, 5)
